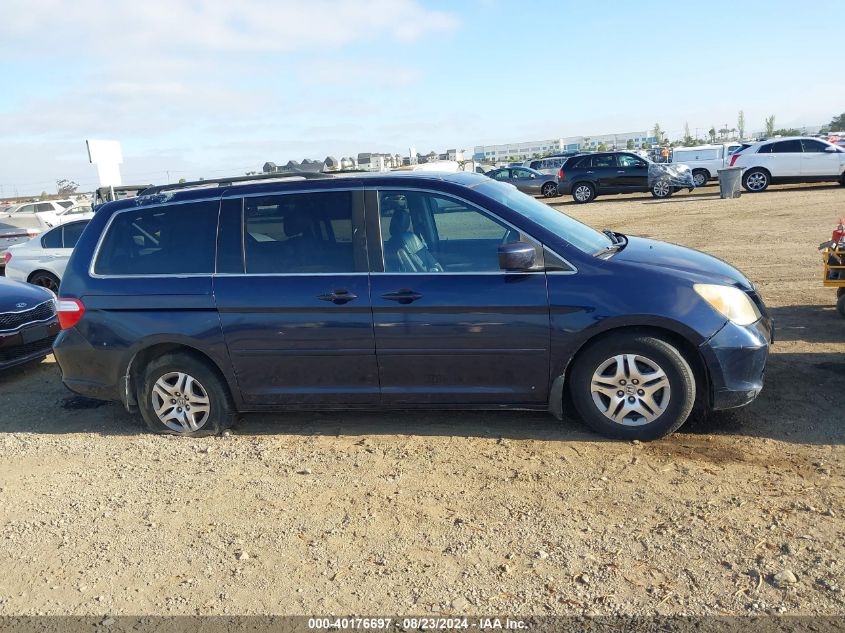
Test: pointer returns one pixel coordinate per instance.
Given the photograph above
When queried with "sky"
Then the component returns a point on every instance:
(212, 88)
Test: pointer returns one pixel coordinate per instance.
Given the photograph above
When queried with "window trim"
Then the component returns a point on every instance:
(376, 255)
(96, 255)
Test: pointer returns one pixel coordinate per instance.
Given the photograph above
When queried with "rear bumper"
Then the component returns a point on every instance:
(17, 348)
(736, 361)
(83, 368)
(564, 187)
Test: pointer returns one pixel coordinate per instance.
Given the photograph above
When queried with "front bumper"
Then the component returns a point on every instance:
(736, 362)
(29, 343)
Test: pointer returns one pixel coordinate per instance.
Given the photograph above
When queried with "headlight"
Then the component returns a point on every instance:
(732, 302)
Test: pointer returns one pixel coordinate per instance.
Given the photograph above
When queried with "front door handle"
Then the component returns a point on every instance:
(403, 296)
(338, 297)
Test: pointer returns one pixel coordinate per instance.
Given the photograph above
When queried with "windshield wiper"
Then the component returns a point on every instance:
(619, 242)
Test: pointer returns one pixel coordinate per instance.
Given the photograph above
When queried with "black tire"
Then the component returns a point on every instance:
(681, 387)
(583, 192)
(549, 190)
(45, 280)
(840, 305)
(700, 177)
(220, 415)
(759, 178)
(662, 189)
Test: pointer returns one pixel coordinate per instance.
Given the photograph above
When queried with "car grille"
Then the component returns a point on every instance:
(13, 320)
(20, 351)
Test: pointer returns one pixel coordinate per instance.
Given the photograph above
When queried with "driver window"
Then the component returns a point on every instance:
(429, 233)
(629, 161)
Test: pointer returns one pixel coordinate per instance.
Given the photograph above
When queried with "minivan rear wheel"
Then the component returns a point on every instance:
(182, 395)
(633, 386)
(583, 192)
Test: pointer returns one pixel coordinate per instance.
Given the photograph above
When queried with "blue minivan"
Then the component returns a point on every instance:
(195, 302)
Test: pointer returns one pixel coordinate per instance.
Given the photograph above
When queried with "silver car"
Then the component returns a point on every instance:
(527, 180)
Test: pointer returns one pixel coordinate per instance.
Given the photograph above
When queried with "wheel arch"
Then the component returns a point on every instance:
(31, 275)
(559, 404)
(140, 357)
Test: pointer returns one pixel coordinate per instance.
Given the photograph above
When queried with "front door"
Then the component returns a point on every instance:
(817, 162)
(294, 302)
(632, 172)
(450, 326)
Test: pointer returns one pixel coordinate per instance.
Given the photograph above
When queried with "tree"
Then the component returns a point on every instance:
(181, 180)
(629, 144)
(645, 146)
(687, 135)
(787, 131)
(770, 125)
(740, 124)
(712, 134)
(66, 188)
(44, 195)
(657, 132)
(602, 147)
(837, 123)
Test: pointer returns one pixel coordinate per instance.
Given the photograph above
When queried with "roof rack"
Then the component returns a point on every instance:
(226, 182)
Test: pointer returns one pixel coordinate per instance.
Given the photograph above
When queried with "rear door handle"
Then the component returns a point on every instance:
(403, 296)
(338, 297)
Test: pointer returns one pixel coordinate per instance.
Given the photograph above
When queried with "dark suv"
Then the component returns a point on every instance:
(397, 291)
(591, 175)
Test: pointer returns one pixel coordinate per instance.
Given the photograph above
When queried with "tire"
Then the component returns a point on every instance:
(549, 190)
(164, 377)
(45, 280)
(840, 305)
(700, 177)
(583, 192)
(662, 189)
(633, 357)
(756, 180)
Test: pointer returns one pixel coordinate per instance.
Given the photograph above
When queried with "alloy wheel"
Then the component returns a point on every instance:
(662, 189)
(180, 402)
(582, 193)
(698, 179)
(630, 389)
(757, 181)
(549, 190)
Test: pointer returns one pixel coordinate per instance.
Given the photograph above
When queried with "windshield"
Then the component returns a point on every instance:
(579, 235)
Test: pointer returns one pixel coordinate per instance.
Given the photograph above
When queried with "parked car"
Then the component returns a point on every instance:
(397, 291)
(28, 323)
(591, 175)
(788, 160)
(24, 224)
(42, 260)
(548, 164)
(704, 160)
(45, 208)
(527, 180)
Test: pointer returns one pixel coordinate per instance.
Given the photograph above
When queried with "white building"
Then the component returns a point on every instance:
(573, 143)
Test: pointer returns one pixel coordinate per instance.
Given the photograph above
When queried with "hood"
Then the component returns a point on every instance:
(656, 254)
(14, 292)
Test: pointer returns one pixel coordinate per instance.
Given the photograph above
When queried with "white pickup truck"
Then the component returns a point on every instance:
(705, 160)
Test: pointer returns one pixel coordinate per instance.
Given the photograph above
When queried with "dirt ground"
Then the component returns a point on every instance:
(431, 513)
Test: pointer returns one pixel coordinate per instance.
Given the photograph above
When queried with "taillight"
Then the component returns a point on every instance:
(733, 159)
(7, 256)
(70, 311)
(560, 174)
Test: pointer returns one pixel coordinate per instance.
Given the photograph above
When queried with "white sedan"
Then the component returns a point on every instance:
(42, 260)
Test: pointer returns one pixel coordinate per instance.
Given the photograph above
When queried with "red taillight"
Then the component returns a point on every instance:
(70, 311)
(560, 174)
(733, 159)
(7, 256)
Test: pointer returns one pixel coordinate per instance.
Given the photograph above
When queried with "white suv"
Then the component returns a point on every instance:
(785, 160)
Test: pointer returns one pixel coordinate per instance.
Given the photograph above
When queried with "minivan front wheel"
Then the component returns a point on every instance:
(183, 396)
(633, 386)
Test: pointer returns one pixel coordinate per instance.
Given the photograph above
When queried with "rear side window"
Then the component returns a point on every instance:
(171, 240)
(45, 206)
(71, 233)
(299, 233)
(787, 147)
(584, 163)
(811, 146)
(604, 160)
(52, 238)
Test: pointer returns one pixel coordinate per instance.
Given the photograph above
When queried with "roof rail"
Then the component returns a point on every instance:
(225, 182)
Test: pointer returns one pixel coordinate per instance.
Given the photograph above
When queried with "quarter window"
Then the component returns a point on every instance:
(170, 240)
(299, 233)
(428, 233)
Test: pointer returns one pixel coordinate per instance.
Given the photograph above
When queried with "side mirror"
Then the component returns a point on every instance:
(533, 176)
(516, 256)
(830, 148)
